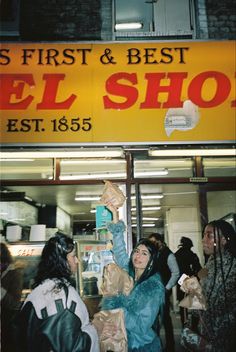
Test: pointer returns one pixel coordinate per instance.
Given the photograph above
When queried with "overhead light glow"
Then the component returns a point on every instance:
(192, 152)
(144, 225)
(128, 25)
(15, 159)
(85, 153)
(145, 218)
(163, 172)
(150, 196)
(91, 176)
(99, 161)
(87, 198)
(147, 208)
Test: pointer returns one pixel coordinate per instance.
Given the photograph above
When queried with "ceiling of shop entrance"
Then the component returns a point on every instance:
(63, 196)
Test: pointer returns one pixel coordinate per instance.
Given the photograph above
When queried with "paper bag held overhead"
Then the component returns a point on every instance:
(112, 194)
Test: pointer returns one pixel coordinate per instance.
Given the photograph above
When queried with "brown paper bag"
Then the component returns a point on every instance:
(115, 281)
(112, 194)
(195, 299)
(117, 342)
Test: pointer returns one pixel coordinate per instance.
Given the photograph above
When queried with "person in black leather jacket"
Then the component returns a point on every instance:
(53, 317)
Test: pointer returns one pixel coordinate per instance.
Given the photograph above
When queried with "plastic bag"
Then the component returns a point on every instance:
(112, 194)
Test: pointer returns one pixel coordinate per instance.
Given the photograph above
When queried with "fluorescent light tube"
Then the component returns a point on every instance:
(128, 25)
(147, 208)
(64, 154)
(152, 196)
(88, 162)
(93, 176)
(144, 225)
(192, 152)
(163, 172)
(145, 218)
(87, 198)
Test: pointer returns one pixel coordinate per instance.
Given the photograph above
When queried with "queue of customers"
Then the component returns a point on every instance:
(54, 318)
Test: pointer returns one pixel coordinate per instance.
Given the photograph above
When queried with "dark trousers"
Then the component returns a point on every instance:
(168, 326)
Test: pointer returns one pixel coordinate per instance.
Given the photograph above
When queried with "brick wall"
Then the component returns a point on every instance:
(61, 20)
(221, 16)
(92, 20)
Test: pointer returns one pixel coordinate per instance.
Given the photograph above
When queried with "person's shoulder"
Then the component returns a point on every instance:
(167, 251)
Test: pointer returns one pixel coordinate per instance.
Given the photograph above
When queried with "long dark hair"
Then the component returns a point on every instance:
(223, 228)
(151, 267)
(53, 262)
(5, 257)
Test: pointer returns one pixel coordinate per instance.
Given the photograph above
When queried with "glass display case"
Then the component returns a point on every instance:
(93, 255)
(26, 256)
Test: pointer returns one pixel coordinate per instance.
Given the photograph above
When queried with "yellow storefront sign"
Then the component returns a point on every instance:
(117, 92)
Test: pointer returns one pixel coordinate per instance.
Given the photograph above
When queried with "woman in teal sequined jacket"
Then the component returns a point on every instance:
(146, 299)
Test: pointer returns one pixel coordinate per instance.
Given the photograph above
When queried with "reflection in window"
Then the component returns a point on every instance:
(157, 199)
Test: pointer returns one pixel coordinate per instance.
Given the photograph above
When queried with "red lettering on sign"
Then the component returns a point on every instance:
(221, 93)
(154, 87)
(14, 84)
(114, 87)
(50, 93)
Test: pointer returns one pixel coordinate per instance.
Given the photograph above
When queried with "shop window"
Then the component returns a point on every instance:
(219, 167)
(163, 168)
(157, 203)
(162, 18)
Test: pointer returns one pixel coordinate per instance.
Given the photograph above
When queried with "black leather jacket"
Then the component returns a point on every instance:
(55, 326)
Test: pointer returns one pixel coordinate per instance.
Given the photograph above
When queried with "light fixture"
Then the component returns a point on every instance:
(192, 152)
(147, 208)
(88, 162)
(87, 198)
(144, 225)
(90, 176)
(145, 218)
(151, 196)
(128, 25)
(15, 159)
(83, 153)
(163, 172)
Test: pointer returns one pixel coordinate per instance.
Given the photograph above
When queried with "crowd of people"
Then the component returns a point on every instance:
(54, 318)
